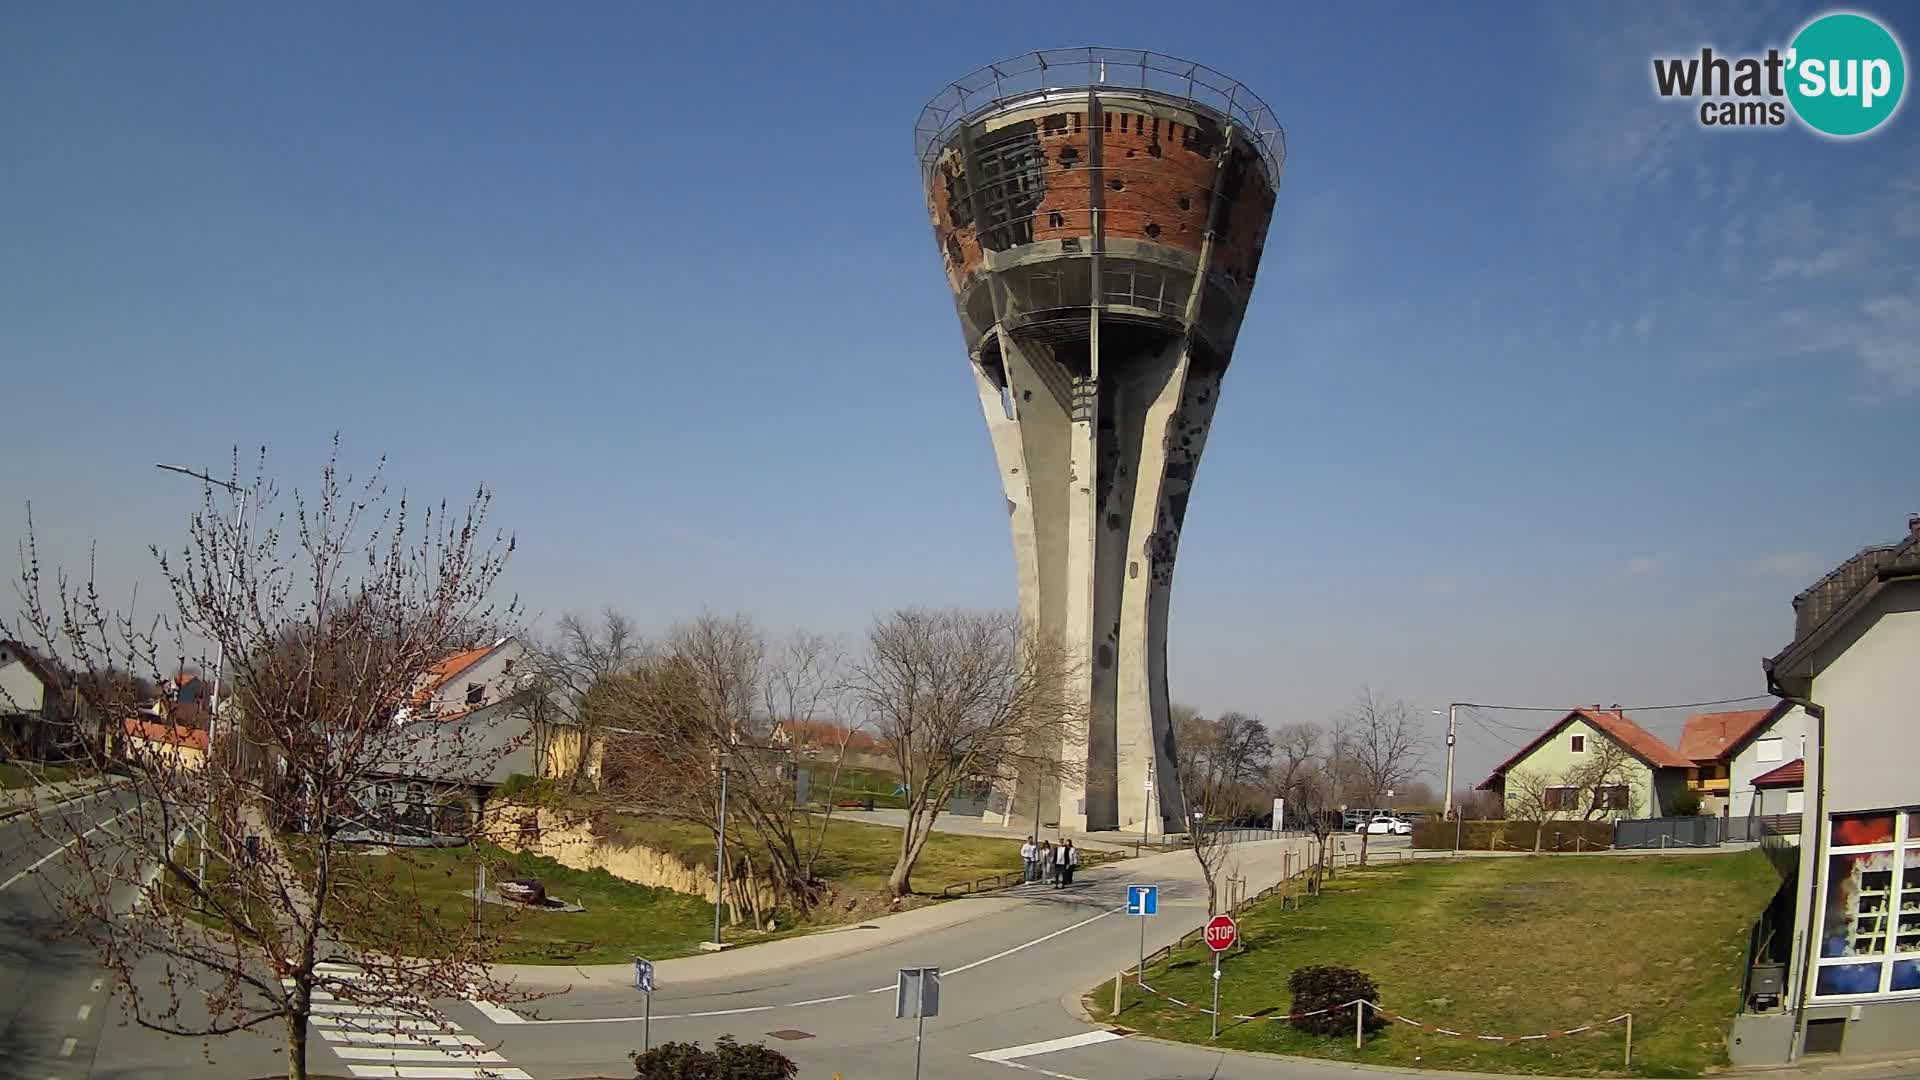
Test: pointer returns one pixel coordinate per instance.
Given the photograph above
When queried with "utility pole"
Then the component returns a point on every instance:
(1452, 733)
(243, 497)
(720, 850)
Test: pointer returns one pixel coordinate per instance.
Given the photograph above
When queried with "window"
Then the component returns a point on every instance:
(1612, 797)
(1560, 798)
(476, 693)
(507, 667)
(1579, 744)
(1796, 801)
(1769, 749)
(1870, 920)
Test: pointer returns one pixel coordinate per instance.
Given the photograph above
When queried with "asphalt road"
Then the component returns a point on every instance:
(53, 997)
(1012, 976)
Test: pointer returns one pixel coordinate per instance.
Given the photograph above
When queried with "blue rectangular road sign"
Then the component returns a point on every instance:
(1143, 899)
(643, 975)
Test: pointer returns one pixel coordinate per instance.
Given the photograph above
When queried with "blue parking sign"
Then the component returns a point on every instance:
(1143, 899)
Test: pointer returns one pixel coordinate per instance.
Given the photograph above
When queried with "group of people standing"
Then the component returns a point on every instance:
(1053, 863)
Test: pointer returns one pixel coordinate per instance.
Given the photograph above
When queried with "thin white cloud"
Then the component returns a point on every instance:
(1644, 566)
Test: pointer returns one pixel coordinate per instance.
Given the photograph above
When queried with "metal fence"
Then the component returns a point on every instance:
(1667, 832)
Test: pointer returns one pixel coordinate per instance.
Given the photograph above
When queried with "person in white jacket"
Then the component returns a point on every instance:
(1065, 858)
(1030, 860)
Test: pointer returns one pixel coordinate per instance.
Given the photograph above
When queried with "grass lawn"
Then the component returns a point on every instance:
(622, 920)
(1497, 946)
(856, 857)
(857, 784)
(14, 775)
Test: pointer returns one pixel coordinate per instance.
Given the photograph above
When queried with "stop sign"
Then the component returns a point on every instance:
(1221, 933)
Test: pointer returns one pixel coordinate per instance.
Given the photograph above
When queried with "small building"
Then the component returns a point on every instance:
(1840, 955)
(154, 742)
(41, 713)
(1593, 764)
(1730, 751)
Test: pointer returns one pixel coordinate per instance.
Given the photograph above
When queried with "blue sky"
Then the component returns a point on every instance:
(1546, 395)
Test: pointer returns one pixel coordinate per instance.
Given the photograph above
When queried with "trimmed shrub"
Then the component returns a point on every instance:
(728, 1060)
(1514, 835)
(1323, 986)
(1685, 803)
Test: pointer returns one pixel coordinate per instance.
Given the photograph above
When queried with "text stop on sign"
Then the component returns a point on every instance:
(1221, 933)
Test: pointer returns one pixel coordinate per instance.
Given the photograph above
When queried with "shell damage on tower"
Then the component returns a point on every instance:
(1101, 215)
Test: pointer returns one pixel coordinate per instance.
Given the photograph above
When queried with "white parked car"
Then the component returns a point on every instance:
(1386, 826)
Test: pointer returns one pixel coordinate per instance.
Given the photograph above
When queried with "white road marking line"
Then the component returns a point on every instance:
(66, 1047)
(153, 872)
(440, 1071)
(1038, 1069)
(1085, 1038)
(384, 1023)
(341, 1008)
(1030, 944)
(821, 1001)
(398, 1039)
(85, 1011)
(395, 1057)
(499, 1014)
(51, 855)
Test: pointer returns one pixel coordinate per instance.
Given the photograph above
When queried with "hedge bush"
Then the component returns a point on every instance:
(1323, 986)
(728, 1060)
(1514, 835)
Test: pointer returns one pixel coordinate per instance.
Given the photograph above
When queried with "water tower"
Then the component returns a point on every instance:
(1101, 214)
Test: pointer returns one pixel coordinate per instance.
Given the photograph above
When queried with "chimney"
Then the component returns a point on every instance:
(1913, 524)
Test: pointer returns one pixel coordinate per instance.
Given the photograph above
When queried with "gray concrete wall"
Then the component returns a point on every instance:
(1883, 1027)
(1869, 682)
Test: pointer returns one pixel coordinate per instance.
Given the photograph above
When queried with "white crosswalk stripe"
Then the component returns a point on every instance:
(378, 1040)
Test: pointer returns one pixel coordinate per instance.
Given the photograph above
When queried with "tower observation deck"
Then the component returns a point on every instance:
(1101, 214)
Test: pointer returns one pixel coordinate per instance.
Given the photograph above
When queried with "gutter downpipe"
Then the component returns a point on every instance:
(1810, 960)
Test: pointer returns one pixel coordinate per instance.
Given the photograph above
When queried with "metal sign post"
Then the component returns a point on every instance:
(1216, 997)
(1220, 935)
(1143, 900)
(643, 982)
(917, 994)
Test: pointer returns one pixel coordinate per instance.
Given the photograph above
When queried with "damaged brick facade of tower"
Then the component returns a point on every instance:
(1101, 215)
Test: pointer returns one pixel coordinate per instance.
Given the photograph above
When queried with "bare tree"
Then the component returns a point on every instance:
(579, 655)
(959, 698)
(1221, 764)
(1296, 750)
(708, 699)
(1386, 747)
(328, 615)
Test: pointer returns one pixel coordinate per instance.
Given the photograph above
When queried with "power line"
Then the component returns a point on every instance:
(1610, 708)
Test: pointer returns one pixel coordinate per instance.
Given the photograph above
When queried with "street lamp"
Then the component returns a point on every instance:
(720, 849)
(242, 497)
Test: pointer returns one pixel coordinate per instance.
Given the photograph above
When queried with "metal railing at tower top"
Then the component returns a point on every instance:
(1036, 73)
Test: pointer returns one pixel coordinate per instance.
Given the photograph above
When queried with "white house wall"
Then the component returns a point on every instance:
(1790, 728)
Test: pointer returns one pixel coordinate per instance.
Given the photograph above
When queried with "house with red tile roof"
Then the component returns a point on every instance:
(1710, 740)
(1593, 764)
(1730, 751)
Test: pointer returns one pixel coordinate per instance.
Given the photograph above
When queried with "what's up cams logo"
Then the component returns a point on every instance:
(1843, 75)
